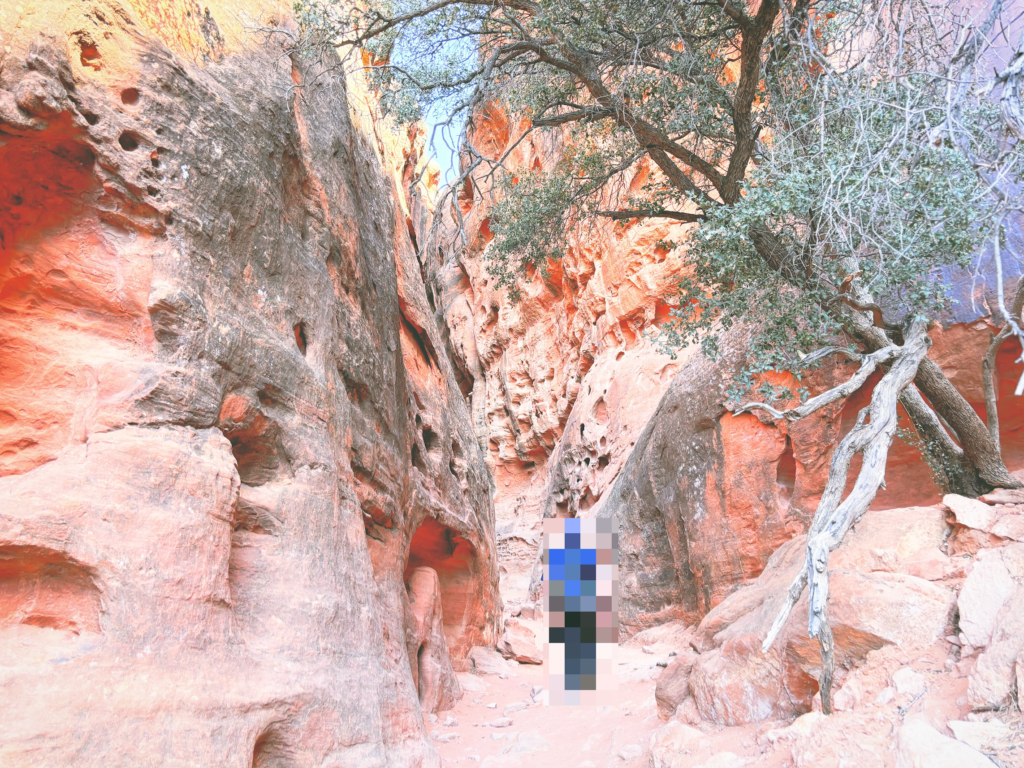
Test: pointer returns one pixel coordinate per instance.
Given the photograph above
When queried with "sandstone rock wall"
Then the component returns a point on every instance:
(229, 430)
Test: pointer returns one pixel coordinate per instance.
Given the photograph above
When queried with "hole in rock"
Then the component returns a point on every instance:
(154, 160)
(431, 441)
(90, 118)
(485, 231)
(453, 558)
(300, 337)
(128, 141)
(270, 751)
(785, 472)
(130, 96)
(466, 195)
(417, 459)
(90, 56)
(357, 392)
(451, 468)
(602, 461)
(417, 673)
(255, 439)
(44, 588)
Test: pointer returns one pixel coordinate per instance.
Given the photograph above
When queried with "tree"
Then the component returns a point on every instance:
(831, 153)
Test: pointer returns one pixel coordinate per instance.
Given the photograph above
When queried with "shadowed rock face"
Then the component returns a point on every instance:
(223, 415)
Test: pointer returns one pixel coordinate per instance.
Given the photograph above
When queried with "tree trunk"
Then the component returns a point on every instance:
(981, 467)
(872, 436)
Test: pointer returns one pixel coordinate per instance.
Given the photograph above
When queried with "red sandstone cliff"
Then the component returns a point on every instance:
(227, 435)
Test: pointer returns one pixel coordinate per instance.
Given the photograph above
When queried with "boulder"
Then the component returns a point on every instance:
(996, 575)
(918, 745)
(733, 682)
(487, 661)
(520, 643)
(981, 525)
(971, 512)
(674, 684)
(672, 743)
(993, 679)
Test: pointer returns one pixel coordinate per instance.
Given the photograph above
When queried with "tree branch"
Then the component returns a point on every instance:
(640, 214)
(834, 516)
(868, 366)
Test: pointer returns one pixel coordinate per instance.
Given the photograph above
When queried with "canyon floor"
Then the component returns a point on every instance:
(630, 734)
(897, 707)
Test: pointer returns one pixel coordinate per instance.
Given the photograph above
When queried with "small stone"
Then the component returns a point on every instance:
(493, 705)
(444, 738)
(529, 742)
(908, 682)
(631, 752)
(515, 706)
(450, 721)
(501, 722)
(645, 649)
(431, 717)
(887, 695)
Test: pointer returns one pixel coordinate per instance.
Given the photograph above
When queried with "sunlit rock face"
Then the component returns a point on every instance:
(225, 407)
(582, 413)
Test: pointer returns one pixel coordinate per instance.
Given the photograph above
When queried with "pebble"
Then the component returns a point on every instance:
(631, 752)
(493, 705)
(450, 722)
(515, 706)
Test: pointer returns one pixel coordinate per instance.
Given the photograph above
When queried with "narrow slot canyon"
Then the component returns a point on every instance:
(288, 395)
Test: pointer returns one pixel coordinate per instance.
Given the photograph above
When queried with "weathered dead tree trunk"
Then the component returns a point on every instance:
(1011, 327)
(872, 436)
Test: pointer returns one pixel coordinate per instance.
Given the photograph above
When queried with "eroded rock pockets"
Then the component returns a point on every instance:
(44, 588)
(453, 560)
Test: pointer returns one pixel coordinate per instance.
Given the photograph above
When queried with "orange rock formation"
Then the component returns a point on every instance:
(227, 439)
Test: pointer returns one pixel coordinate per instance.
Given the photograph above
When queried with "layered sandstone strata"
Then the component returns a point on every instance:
(229, 436)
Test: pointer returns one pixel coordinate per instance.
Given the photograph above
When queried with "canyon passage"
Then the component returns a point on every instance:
(273, 467)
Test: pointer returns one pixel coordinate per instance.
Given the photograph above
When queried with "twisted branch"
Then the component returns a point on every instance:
(835, 516)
